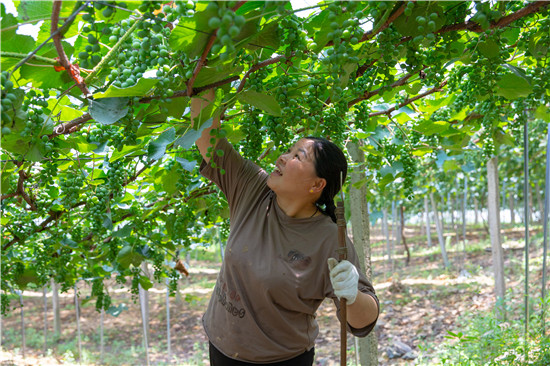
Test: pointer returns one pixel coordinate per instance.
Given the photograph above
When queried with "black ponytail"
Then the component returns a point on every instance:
(330, 164)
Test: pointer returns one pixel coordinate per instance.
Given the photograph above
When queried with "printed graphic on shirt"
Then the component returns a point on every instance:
(298, 259)
(231, 308)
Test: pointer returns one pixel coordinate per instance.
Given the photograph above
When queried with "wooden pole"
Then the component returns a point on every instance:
(341, 222)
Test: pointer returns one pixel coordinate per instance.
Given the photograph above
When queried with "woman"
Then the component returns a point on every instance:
(279, 261)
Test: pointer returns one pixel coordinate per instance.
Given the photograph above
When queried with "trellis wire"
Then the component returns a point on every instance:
(545, 230)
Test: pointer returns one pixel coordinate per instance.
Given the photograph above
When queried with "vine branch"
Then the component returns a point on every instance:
(73, 70)
(436, 89)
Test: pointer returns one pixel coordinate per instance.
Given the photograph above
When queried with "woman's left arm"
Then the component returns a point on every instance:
(363, 311)
(362, 308)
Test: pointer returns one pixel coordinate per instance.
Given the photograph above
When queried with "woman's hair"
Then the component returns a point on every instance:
(330, 164)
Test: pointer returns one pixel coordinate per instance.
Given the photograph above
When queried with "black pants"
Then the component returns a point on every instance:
(219, 359)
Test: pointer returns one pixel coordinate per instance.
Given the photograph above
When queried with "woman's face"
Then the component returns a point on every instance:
(294, 172)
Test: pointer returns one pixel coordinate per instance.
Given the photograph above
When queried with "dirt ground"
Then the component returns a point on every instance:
(420, 302)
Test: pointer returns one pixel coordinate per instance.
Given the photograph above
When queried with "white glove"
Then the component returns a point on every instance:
(344, 278)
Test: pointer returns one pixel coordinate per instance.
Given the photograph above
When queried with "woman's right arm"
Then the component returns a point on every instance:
(205, 141)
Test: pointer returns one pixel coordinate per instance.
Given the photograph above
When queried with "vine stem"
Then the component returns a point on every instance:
(259, 66)
(63, 59)
(368, 95)
(436, 89)
(502, 22)
(386, 24)
(205, 53)
(47, 60)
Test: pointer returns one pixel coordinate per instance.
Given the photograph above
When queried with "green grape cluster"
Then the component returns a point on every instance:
(316, 92)
(97, 207)
(436, 72)
(70, 188)
(457, 14)
(292, 36)
(94, 31)
(374, 162)
(9, 98)
(128, 134)
(144, 50)
(387, 41)
(363, 83)
(490, 112)
(116, 177)
(4, 304)
(426, 27)
(361, 116)
(112, 249)
(442, 114)
(334, 124)
(343, 35)
(484, 15)
(403, 153)
(251, 123)
(134, 288)
(174, 276)
(100, 134)
(157, 258)
(414, 58)
(291, 108)
(47, 173)
(65, 269)
(42, 253)
(227, 26)
(179, 9)
(256, 79)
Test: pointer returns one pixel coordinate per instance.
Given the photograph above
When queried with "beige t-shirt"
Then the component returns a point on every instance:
(275, 273)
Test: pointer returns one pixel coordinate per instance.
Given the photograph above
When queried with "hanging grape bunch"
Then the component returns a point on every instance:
(251, 123)
(334, 122)
(361, 116)
(9, 103)
(227, 26)
(290, 107)
(292, 36)
(70, 188)
(256, 79)
(343, 34)
(314, 96)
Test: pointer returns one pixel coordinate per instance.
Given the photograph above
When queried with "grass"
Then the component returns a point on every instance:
(486, 340)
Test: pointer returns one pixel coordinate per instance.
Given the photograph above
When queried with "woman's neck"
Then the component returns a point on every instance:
(297, 209)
